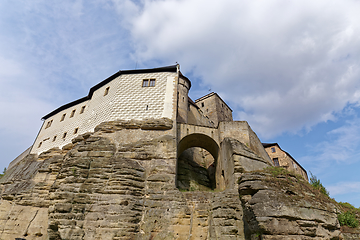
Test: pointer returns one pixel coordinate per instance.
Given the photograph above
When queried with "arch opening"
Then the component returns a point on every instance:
(196, 163)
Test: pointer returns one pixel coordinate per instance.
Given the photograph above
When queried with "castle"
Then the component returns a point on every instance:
(137, 95)
(138, 159)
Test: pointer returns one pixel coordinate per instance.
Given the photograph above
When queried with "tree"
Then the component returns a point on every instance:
(318, 185)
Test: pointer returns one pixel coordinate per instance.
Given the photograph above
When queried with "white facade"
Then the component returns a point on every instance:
(124, 97)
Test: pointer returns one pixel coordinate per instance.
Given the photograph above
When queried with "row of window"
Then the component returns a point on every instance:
(64, 115)
(54, 138)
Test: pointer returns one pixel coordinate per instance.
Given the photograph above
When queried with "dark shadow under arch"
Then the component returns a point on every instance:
(194, 172)
(199, 140)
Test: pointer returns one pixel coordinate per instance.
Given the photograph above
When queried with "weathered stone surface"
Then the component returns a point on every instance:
(286, 207)
(119, 183)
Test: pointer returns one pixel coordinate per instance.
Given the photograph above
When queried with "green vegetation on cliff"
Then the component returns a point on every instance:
(2, 174)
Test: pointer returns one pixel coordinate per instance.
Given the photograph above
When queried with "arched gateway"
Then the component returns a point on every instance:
(197, 159)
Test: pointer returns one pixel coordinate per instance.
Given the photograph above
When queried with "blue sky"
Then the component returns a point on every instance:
(289, 68)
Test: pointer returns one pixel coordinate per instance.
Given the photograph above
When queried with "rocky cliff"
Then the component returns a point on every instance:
(120, 183)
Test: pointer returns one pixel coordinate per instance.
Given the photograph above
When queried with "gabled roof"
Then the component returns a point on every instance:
(172, 68)
(267, 145)
(212, 94)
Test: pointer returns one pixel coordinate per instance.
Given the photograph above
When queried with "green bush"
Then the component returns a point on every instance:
(2, 174)
(347, 205)
(318, 185)
(348, 219)
(276, 171)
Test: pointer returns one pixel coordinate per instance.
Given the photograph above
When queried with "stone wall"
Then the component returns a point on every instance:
(285, 160)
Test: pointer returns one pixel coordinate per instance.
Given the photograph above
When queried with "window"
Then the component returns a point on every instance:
(273, 149)
(54, 138)
(82, 109)
(40, 144)
(145, 82)
(202, 104)
(152, 82)
(64, 135)
(276, 162)
(148, 83)
(106, 91)
(49, 124)
(63, 117)
(76, 130)
(73, 113)
(147, 107)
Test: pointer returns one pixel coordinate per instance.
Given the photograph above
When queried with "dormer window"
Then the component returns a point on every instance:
(106, 91)
(148, 83)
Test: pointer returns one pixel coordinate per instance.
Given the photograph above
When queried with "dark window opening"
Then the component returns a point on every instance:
(82, 109)
(64, 135)
(202, 104)
(276, 162)
(63, 117)
(273, 149)
(76, 130)
(40, 144)
(54, 138)
(73, 113)
(106, 91)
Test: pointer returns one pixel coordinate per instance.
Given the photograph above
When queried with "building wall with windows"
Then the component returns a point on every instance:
(283, 159)
(125, 97)
(214, 108)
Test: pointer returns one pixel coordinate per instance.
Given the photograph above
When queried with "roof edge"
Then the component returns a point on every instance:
(172, 68)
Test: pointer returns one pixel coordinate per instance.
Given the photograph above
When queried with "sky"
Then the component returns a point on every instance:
(290, 68)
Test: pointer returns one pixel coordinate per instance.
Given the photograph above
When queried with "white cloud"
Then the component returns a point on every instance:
(285, 65)
(344, 188)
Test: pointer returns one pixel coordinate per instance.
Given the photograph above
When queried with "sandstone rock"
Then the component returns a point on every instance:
(275, 207)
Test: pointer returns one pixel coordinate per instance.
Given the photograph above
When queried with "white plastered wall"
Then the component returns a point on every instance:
(126, 99)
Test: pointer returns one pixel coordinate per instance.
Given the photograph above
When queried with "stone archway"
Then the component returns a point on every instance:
(196, 162)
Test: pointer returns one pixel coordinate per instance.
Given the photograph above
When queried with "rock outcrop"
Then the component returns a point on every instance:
(120, 183)
(284, 206)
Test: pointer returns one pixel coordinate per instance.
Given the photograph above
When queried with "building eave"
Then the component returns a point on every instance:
(172, 68)
(212, 94)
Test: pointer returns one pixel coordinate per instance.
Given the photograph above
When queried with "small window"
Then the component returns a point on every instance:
(40, 144)
(147, 107)
(63, 117)
(73, 113)
(54, 138)
(276, 162)
(145, 83)
(76, 130)
(148, 83)
(106, 91)
(273, 149)
(64, 135)
(152, 82)
(82, 109)
(49, 124)
(202, 104)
